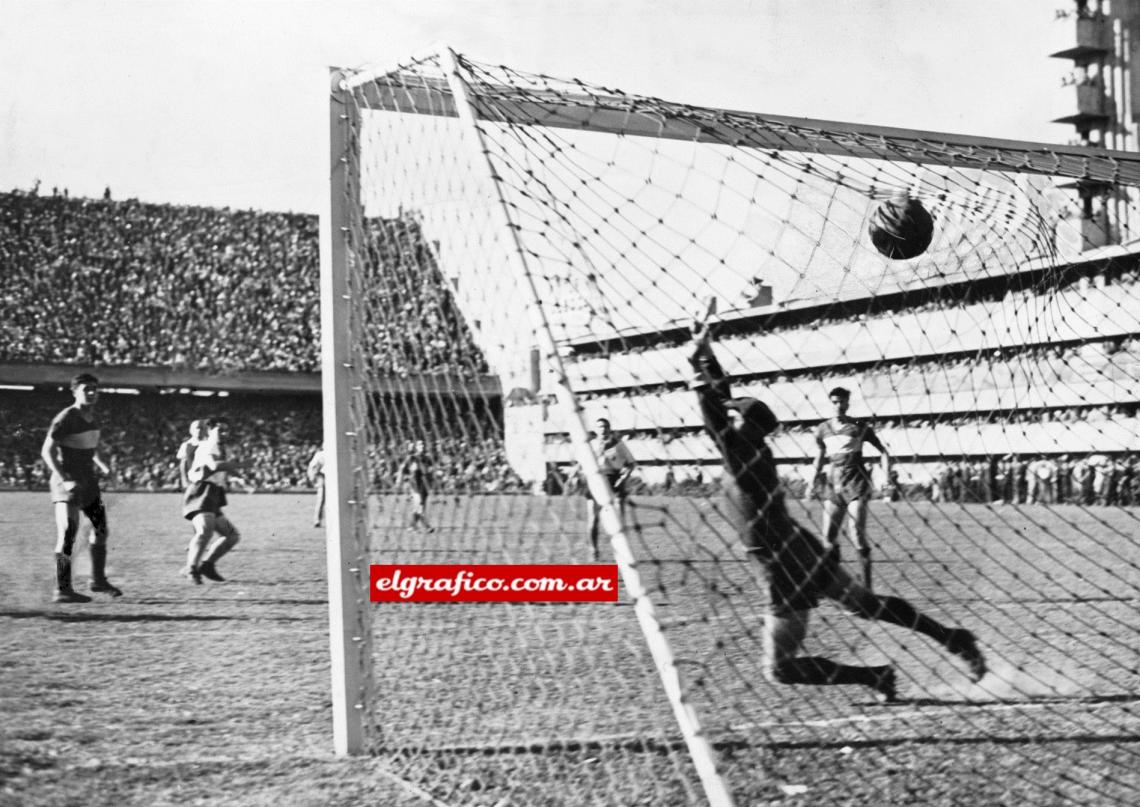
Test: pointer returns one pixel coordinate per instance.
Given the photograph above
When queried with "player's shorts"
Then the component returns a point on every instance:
(848, 484)
(83, 495)
(618, 489)
(799, 573)
(203, 497)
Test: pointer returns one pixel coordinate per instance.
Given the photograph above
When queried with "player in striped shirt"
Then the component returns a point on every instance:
(69, 451)
(848, 482)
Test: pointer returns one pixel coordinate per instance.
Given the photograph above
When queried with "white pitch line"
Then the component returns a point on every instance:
(949, 709)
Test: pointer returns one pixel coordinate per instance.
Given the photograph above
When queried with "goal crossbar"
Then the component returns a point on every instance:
(644, 117)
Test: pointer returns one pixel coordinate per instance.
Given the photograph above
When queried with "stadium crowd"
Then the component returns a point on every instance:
(103, 282)
(209, 289)
(226, 291)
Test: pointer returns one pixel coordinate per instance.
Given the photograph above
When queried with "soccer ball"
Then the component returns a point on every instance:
(901, 228)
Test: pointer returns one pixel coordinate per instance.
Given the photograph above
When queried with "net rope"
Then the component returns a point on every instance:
(998, 367)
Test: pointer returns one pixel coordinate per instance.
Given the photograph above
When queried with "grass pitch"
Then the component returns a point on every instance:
(179, 694)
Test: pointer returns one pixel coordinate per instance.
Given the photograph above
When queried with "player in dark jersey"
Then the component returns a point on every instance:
(69, 451)
(848, 482)
(795, 568)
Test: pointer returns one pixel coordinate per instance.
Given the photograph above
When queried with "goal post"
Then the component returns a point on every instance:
(481, 216)
(347, 542)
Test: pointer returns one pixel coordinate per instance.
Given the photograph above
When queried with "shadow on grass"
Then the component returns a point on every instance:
(58, 616)
(981, 739)
(227, 601)
(1012, 701)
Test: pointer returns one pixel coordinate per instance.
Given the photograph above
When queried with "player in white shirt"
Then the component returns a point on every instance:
(203, 502)
(616, 464)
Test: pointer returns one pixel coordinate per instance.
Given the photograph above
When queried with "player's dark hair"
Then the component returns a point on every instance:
(83, 378)
(217, 421)
(840, 392)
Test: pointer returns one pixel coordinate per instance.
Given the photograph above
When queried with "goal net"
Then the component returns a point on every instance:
(512, 257)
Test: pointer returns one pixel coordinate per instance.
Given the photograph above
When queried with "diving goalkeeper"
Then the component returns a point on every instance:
(796, 570)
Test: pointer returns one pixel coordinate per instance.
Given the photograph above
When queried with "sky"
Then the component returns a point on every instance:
(224, 103)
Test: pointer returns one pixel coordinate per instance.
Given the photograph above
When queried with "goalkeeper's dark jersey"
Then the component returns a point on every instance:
(751, 483)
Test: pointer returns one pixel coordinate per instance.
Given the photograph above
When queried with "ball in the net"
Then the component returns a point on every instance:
(901, 228)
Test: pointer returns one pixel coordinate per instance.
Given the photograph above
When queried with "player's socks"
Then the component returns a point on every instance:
(63, 590)
(962, 643)
(98, 561)
(898, 611)
(99, 582)
(62, 572)
(865, 558)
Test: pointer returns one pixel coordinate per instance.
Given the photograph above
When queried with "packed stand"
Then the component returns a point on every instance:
(215, 290)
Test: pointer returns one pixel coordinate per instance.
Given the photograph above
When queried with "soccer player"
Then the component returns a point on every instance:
(795, 568)
(416, 470)
(203, 502)
(69, 453)
(316, 474)
(186, 450)
(185, 457)
(848, 482)
(616, 464)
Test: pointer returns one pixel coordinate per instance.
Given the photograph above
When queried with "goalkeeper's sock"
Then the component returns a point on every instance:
(898, 611)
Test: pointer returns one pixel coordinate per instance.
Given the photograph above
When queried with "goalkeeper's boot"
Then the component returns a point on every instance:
(963, 644)
(886, 688)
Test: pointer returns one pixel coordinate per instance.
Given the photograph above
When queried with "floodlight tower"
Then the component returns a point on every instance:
(1101, 99)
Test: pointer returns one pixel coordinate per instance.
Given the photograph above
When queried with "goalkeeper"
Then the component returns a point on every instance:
(796, 570)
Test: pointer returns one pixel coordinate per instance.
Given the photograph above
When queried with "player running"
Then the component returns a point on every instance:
(796, 569)
(69, 453)
(848, 482)
(203, 502)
